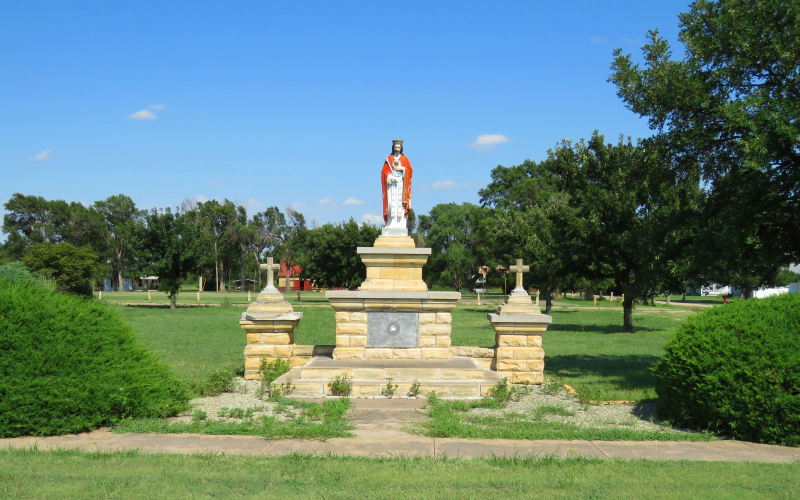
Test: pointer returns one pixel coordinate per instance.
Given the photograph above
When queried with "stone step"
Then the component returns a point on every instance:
(453, 378)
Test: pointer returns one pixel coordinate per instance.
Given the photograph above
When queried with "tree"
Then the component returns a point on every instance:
(33, 219)
(219, 222)
(74, 269)
(452, 232)
(328, 253)
(121, 218)
(731, 103)
(593, 211)
(526, 201)
(170, 245)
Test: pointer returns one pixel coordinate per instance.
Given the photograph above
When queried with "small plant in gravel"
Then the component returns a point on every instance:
(341, 385)
(270, 371)
(501, 391)
(217, 382)
(389, 389)
(199, 416)
(415, 389)
(551, 388)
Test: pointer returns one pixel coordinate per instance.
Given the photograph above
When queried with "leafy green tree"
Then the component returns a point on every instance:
(730, 104)
(527, 206)
(74, 269)
(328, 253)
(121, 218)
(593, 211)
(33, 219)
(452, 232)
(170, 245)
(219, 223)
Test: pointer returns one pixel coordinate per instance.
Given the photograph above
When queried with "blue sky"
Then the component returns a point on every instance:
(296, 103)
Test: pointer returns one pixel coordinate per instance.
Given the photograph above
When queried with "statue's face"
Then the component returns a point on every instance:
(396, 148)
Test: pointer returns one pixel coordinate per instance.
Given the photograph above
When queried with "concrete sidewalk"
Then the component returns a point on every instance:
(381, 432)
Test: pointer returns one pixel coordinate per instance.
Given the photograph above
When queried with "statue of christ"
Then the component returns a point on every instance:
(396, 187)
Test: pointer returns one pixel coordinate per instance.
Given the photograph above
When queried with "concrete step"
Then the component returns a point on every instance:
(451, 378)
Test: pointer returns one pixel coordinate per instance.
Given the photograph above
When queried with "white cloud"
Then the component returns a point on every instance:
(448, 184)
(252, 205)
(41, 156)
(372, 219)
(143, 114)
(598, 39)
(352, 201)
(157, 107)
(486, 142)
(199, 198)
(444, 185)
(326, 201)
(214, 184)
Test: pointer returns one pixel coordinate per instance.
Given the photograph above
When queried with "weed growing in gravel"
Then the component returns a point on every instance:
(270, 371)
(217, 382)
(199, 416)
(415, 389)
(389, 389)
(341, 385)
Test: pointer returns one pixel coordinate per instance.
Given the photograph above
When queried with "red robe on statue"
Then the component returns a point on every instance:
(385, 171)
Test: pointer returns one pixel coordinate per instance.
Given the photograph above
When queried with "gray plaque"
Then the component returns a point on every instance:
(392, 329)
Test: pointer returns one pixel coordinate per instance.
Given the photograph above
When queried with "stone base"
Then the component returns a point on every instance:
(353, 310)
(454, 378)
(269, 325)
(519, 356)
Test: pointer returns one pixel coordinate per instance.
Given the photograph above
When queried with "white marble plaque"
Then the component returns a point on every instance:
(392, 329)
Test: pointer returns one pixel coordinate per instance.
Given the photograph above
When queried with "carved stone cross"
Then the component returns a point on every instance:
(270, 266)
(519, 269)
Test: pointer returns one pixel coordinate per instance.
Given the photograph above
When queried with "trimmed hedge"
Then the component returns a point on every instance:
(735, 370)
(68, 364)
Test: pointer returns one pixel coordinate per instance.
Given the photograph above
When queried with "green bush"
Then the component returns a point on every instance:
(15, 271)
(74, 269)
(68, 364)
(735, 369)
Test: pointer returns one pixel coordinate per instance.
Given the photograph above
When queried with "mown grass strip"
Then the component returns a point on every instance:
(38, 474)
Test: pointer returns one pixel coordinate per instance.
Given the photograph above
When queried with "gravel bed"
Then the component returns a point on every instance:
(244, 396)
(638, 417)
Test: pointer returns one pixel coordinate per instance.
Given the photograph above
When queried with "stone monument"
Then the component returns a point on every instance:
(393, 330)
(269, 322)
(393, 315)
(518, 326)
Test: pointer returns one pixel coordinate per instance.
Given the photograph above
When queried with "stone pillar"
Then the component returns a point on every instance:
(269, 323)
(518, 326)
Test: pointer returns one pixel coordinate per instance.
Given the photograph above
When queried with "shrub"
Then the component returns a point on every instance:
(15, 271)
(735, 369)
(70, 365)
(74, 269)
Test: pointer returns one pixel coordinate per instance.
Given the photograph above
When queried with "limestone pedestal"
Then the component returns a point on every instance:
(393, 315)
(518, 327)
(269, 323)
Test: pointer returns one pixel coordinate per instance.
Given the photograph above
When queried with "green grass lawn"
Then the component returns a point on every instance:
(584, 348)
(72, 474)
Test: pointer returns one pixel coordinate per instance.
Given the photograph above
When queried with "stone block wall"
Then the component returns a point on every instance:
(520, 358)
(433, 341)
(484, 357)
(267, 340)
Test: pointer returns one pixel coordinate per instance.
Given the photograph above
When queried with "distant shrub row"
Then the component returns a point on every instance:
(68, 364)
(735, 369)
